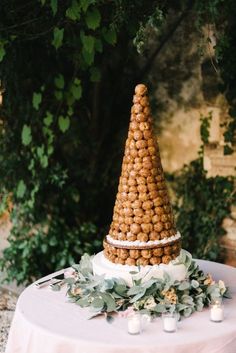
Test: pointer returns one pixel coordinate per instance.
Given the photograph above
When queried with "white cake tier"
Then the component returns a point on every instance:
(101, 266)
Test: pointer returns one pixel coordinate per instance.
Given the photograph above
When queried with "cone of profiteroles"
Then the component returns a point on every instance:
(142, 231)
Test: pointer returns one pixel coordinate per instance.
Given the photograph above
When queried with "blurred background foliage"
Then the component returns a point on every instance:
(67, 70)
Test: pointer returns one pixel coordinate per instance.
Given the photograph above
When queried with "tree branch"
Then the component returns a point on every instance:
(164, 40)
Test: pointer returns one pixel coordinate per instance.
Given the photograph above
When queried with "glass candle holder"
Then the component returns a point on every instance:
(169, 322)
(134, 322)
(217, 311)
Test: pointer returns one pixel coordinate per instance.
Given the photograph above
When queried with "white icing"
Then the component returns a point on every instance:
(138, 243)
(102, 266)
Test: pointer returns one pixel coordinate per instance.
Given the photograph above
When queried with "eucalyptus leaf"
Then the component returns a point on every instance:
(184, 285)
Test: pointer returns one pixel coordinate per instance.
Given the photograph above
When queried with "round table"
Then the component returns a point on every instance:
(44, 322)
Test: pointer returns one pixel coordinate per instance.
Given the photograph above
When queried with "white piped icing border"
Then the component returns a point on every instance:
(138, 243)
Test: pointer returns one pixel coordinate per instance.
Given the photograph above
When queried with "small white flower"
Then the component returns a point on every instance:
(150, 303)
(222, 287)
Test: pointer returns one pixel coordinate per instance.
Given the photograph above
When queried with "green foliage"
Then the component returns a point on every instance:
(201, 205)
(204, 129)
(153, 297)
(65, 104)
(67, 71)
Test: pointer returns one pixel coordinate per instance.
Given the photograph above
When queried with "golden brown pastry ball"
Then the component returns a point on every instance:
(143, 196)
(141, 144)
(166, 259)
(137, 108)
(140, 89)
(147, 134)
(142, 237)
(130, 262)
(124, 228)
(141, 180)
(167, 208)
(136, 99)
(138, 166)
(134, 254)
(142, 188)
(136, 204)
(159, 210)
(151, 149)
(158, 201)
(134, 126)
(156, 218)
(154, 260)
(130, 166)
(133, 174)
(121, 236)
(175, 247)
(158, 227)
(135, 228)
(158, 252)
(138, 219)
(151, 142)
(153, 194)
(172, 231)
(152, 186)
(142, 261)
(167, 250)
(144, 101)
(138, 135)
(167, 225)
(147, 205)
(147, 227)
(147, 110)
(132, 144)
(115, 225)
(127, 212)
(144, 126)
(120, 261)
(131, 237)
(138, 212)
(164, 218)
(147, 165)
(164, 234)
(159, 177)
(146, 219)
(154, 236)
(133, 152)
(150, 179)
(149, 212)
(128, 220)
(132, 181)
(133, 188)
(138, 160)
(146, 253)
(132, 196)
(141, 117)
(144, 172)
(143, 152)
(127, 204)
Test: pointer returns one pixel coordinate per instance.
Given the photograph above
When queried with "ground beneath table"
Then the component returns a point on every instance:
(7, 308)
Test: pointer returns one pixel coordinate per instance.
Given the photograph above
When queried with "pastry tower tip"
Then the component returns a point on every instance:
(143, 230)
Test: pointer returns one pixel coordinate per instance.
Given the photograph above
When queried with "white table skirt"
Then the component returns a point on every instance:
(44, 322)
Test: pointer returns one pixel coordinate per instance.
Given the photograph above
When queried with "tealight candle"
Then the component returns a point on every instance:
(217, 312)
(134, 324)
(169, 321)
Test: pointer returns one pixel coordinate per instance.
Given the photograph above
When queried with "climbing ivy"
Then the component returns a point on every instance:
(67, 71)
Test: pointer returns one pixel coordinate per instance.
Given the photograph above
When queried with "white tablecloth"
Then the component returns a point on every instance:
(44, 322)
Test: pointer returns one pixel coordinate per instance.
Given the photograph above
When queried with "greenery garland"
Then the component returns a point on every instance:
(153, 297)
